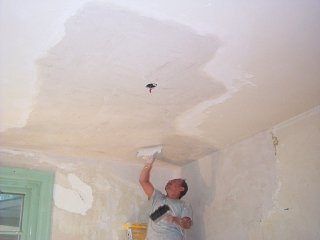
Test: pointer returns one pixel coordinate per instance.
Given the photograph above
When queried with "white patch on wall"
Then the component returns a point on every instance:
(77, 199)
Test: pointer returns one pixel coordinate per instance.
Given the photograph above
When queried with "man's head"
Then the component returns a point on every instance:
(176, 188)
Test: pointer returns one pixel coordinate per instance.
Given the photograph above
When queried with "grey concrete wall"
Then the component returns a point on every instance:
(265, 187)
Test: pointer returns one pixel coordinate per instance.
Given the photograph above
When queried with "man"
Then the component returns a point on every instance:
(171, 226)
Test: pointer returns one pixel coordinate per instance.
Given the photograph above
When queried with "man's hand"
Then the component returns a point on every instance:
(184, 222)
(151, 159)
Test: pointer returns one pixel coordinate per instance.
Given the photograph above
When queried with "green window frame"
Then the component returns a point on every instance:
(37, 188)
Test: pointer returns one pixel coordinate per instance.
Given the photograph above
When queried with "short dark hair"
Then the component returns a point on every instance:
(185, 190)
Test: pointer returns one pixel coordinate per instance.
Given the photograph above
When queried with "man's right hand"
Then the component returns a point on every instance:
(152, 158)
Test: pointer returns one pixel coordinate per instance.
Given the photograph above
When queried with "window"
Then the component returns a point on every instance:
(25, 204)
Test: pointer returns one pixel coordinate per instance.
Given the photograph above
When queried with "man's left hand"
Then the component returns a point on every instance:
(184, 222)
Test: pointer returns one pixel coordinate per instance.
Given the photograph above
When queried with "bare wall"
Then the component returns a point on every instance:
(92, 199)
(265, 187)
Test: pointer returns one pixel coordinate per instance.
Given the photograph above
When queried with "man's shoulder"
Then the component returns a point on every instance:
(157, 194)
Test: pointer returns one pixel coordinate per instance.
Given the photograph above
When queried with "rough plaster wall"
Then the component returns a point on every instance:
(265, 187)
(296, 212)
(236, 189)
(91, 199)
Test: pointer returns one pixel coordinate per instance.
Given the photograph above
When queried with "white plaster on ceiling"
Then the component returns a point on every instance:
(73, 82)
(27, 30)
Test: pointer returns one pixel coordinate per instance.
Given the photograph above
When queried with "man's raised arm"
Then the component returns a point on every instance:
(145, 177)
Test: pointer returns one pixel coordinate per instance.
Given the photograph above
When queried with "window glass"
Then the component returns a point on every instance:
(25, 204)
(11, 207)
(10, 237)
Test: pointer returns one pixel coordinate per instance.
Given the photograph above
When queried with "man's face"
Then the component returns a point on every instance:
(173, 188)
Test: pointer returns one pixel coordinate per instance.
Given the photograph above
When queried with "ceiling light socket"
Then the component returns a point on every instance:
(151, 86)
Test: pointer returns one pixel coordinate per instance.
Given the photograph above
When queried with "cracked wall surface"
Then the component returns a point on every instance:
(262, 188)
(295, 213)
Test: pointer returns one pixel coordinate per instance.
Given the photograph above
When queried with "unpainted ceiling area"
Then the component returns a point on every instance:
(85, 95)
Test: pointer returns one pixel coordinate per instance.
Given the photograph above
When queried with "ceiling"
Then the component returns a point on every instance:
(73, 74)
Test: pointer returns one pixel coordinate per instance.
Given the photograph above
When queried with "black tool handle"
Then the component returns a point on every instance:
(159, 212)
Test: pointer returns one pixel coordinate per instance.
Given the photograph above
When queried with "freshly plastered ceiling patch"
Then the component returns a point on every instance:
(96, 84)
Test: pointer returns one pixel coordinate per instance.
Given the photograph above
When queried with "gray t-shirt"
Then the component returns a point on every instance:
(162, 229)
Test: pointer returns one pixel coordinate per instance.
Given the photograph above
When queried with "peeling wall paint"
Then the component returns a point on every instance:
(92, 199)
(77, 198)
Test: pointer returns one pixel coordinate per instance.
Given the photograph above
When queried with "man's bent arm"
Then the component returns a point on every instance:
(184, 222)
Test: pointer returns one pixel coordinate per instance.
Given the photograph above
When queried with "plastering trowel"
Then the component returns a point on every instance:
(151, 151)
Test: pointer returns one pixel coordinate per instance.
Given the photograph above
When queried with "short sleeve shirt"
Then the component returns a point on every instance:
(162, 229)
